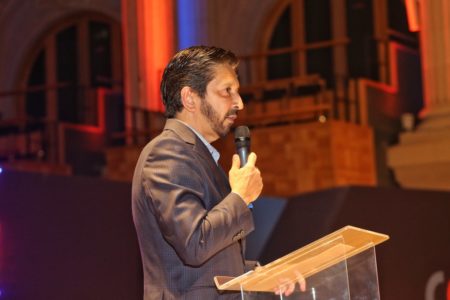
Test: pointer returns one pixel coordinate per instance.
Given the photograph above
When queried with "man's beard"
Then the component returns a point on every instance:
(214, 119)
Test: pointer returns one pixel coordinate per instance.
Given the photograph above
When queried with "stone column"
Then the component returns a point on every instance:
(422, 158)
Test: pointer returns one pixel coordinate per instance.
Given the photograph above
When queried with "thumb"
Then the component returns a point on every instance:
(236, 163)
(251, 159)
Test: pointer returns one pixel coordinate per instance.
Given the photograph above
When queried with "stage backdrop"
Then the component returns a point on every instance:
(73, 238)
(414, 259)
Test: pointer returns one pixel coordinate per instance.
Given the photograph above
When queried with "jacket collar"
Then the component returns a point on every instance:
(181, 130)
(188, 136)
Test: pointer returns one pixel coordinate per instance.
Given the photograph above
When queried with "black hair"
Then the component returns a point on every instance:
(192, 67)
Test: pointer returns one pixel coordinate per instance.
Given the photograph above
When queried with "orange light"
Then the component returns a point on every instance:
(412, 10)
(155, 29)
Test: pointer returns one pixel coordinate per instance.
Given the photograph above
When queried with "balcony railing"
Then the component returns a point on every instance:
(52, 135)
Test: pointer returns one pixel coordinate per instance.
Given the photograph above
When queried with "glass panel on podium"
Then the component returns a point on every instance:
(341, 265)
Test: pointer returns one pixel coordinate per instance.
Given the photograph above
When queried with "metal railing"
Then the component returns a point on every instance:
(35, 127)
(43, 135)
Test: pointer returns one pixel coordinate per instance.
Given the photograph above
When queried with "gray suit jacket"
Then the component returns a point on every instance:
(189, 225)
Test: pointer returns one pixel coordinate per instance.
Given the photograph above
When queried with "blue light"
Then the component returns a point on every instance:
(189, 32)
(1, 171)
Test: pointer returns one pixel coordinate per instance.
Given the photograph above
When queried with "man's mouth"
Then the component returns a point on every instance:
(232, 118)
(232, 114)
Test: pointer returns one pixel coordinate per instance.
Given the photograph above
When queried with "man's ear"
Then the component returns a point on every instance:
(188, 98)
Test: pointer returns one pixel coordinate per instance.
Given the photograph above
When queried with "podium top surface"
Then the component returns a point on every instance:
(307, 261)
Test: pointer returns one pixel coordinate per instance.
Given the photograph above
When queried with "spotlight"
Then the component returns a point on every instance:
(1, 170)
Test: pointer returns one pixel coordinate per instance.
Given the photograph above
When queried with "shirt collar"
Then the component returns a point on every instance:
(214, 153)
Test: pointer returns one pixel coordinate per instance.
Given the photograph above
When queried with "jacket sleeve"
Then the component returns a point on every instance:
(173, 183)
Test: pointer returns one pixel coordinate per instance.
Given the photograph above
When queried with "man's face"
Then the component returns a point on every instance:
(221, 102)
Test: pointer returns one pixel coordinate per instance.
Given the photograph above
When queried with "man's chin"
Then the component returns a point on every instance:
(224, 131)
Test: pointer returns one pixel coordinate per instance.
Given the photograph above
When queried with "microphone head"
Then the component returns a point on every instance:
(242, 133)
(242, 142)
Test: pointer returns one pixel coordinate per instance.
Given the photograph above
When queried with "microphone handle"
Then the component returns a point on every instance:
(243, 153)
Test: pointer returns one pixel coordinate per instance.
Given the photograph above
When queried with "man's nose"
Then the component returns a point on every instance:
(238, 103)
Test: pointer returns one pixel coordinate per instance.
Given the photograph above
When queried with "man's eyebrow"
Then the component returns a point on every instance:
(229, 83)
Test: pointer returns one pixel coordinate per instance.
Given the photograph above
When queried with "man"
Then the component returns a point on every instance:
(190, 218)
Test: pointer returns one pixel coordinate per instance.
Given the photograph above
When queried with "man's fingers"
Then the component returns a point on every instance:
(301, 281)
(236, 162)
(290, 288)
(251, 159)
(285, 287)
(302, 285)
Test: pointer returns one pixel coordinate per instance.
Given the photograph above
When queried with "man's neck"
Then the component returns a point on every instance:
(194, 123)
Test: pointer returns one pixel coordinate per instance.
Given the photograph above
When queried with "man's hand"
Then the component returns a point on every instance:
(246, 181)
(287, 287)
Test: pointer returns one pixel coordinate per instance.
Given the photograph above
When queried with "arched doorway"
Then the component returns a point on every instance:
(61, 104)
(75, 56)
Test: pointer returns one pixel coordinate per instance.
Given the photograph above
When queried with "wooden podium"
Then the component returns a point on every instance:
(341, 265)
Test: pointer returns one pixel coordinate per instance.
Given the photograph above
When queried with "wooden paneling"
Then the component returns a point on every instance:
(293, 159)
(120, 162)
(300, 158)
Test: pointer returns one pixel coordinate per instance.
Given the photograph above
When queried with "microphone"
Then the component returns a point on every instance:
(242, 142)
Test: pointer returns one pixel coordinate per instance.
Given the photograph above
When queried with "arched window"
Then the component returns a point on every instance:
(281, 65)
(73, 58)
(301, 40)
(335, 39)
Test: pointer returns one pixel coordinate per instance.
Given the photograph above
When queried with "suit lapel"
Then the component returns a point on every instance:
(217, 174)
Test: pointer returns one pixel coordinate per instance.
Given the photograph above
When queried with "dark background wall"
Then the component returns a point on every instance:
(66, 238)
(73, 238)
(418, 223)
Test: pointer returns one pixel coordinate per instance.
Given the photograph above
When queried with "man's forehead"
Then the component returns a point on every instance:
(225, 72)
